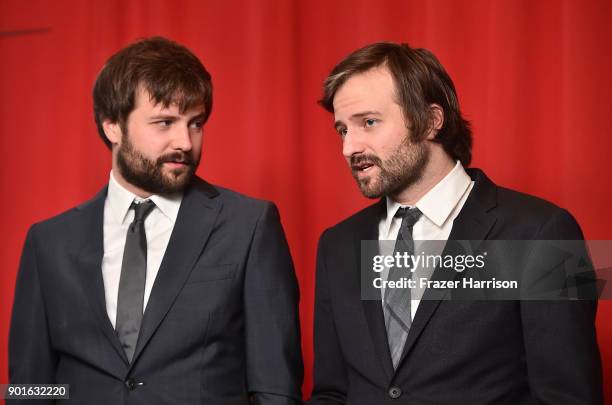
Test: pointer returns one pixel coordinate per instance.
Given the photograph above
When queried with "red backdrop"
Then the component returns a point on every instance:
(532, 77)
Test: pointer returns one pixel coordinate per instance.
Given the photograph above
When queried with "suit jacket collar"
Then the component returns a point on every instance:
(195, 221)
(367, 230)
(89, 253)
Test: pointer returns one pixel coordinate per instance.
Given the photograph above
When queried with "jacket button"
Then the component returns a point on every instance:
(132, 384)
(395, 392)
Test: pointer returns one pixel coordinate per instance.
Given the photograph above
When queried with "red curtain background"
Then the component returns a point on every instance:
(532, 76)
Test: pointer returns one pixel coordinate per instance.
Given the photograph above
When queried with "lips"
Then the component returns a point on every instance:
(364, 164)
(176, 159)
(175, 165)
(361, 167)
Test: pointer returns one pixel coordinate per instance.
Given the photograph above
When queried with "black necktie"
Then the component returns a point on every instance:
(397, 301)
(132, 281)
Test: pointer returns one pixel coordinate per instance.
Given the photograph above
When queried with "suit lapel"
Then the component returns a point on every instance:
(195, 221)
(473, 223)
(89, 267)
(373, 308)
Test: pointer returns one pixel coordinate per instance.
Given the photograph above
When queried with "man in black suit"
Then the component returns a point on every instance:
(162, 289)
(405, 140)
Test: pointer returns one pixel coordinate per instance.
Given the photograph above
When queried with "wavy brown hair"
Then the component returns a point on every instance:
(420, 81)
(169, 72)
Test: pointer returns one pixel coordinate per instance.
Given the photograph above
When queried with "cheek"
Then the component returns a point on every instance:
(143, 139)
(196, 144)
(393, 141)
(153, 150)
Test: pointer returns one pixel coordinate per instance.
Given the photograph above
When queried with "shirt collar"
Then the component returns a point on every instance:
(438, 203)
(120, 200)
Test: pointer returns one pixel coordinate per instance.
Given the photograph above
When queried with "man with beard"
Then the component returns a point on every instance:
(406, 142)
(162, 289)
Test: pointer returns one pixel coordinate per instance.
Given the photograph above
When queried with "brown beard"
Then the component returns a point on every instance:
(401, 170)
(148, 175)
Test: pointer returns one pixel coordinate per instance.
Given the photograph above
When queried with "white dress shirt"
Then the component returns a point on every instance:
(117, 218)
(440, 206)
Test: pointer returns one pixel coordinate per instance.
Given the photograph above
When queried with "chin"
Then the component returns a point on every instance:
(370, 190)
(177, 179)
(176, 172)
(178, 175)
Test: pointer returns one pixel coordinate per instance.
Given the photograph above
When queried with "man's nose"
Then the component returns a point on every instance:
(352, 144)
(182, 139)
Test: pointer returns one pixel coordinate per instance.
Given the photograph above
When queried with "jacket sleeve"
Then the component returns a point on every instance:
(271, 297)
(330, 375)
(32, 359)
(562, 355)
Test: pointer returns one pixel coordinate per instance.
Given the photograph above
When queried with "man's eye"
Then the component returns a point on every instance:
(197, 125)
(369, 122)
(164, 123)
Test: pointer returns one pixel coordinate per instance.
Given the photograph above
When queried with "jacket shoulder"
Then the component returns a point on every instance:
(240, 201)
(525, 202)
(58, 225)
(356, 223)
(531, 216)
(239, 205)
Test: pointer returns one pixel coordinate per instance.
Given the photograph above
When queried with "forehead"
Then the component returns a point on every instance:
(143, 100)
(371, 90)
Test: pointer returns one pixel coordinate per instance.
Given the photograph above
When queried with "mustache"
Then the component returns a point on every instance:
(180, 157)
(359, 160)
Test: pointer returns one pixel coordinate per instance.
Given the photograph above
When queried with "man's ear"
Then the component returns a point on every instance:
(112, 130)
(436, 121)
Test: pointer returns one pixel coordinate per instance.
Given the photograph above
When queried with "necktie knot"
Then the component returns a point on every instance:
(142, 209)
(409, 216)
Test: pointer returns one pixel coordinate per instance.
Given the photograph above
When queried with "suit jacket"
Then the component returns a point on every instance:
(457, 352)
(221, 325)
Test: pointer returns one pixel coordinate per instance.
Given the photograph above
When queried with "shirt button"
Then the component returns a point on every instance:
(395, 392)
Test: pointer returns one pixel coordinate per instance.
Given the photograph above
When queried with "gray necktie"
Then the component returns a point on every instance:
(397, 300)
(132, 281)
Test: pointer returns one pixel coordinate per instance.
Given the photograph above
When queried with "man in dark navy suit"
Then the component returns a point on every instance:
(405, 141)
(162, 289)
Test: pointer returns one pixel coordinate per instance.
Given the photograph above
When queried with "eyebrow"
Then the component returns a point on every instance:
(357, 116)
(175, 117)
(163, 117)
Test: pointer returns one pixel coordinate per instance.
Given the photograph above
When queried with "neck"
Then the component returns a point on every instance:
(438, 166)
